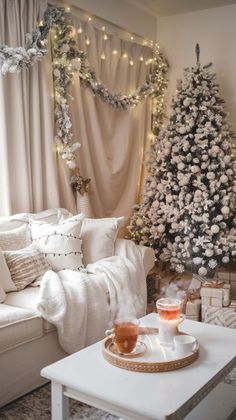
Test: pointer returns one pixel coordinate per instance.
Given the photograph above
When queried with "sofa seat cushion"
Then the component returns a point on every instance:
(18, 326)
(27, 299)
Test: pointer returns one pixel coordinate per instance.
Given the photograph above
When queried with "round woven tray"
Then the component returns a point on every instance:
(151, 366)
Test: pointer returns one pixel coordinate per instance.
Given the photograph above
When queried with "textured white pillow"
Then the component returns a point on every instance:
(61, 243)
(5, 276)
(15, 238)
(98, 238)
(2, 294)
(26, 265)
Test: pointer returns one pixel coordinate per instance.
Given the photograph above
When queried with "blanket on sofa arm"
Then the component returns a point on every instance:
(78, 304)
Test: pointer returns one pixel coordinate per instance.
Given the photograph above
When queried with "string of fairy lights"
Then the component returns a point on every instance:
(68, 60)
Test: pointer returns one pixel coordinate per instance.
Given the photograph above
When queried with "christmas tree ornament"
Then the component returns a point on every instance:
(189, 201)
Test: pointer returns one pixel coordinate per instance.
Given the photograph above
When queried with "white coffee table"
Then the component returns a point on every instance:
(87, 377)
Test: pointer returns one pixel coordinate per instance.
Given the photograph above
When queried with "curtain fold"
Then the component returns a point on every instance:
(113, 141)
(29, 178)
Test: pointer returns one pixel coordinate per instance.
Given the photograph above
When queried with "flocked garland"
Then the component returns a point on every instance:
(68, 59)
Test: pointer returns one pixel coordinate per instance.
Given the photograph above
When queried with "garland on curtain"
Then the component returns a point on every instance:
(67, 60)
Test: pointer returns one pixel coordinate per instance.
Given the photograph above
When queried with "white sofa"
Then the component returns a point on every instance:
(28, 342)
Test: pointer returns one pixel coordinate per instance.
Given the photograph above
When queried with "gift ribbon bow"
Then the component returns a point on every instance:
(214, 284)
(192, 294)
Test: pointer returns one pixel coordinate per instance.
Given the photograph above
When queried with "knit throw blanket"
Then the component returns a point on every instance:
(82, 305)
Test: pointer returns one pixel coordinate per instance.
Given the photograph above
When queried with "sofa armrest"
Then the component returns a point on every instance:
(147, 253)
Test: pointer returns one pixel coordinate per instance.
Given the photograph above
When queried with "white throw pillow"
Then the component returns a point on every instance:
(15, 238)
(26, 265)
(98, 238)
(60, 243)
(2, 294)
(5, 276)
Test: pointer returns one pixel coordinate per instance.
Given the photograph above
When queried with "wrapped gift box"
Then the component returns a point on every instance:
(217, 295)
(225, 317)
(228, 277)
(193, 317)
(192, 308)
(233, 305)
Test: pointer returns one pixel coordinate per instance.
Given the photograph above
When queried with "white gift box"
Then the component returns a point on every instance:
(216, 296)
(212, 301)
(193, 308)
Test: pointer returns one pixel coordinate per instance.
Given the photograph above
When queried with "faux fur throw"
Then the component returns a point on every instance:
(82, 305)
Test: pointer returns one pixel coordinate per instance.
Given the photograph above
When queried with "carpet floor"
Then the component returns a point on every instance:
(36, 406)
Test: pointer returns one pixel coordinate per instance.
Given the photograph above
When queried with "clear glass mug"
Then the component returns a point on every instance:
(169, 315)
(124, 334)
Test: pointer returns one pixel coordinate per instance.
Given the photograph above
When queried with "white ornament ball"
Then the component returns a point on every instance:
(209, 252)
(210, 175)
(161, 228)
(202, 271)
(224, 179)
(182, 130)
(187, 102)
(181, 166)
(225, 210)
(195, 169)
(195, 249)
(215, 228)
(227, 159)
(197, 260)
(139, 221)
(225, 259)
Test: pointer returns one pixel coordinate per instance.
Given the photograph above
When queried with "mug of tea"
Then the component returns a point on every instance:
(124, 334)
(169, 311)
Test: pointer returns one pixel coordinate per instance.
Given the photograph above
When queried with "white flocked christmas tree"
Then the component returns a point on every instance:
(188, 209)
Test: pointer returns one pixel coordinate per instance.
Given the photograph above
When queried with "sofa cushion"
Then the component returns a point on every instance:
(2, 294)
(28, 299)
(22, 219)
(98, 238)
(60, 243)
(26, 265)
(18, 326)
(5, 275)
(15, 238)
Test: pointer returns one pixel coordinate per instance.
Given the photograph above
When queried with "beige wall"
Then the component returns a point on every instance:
(215, 31)
(120, 12)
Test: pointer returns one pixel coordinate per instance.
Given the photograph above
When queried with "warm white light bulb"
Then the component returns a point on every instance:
(105, 37)
(141, 58)
(80, 30)
(87, 42)
(103, 56)
(68, 9)
(114, 52)
(89, 19)
(132, 38)
(103, 28)
(131, 62)
(125, 55)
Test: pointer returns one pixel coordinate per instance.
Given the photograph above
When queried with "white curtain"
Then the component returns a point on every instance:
(113, 141)
(30, 179)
